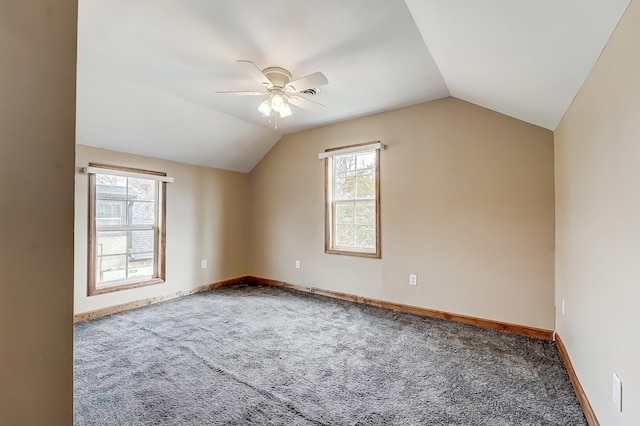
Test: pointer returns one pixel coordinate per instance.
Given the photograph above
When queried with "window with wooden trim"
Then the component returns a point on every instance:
(352, 217)
(126, 228)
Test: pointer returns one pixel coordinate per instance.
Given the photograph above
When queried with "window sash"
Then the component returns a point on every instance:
(128, 261)
(351, 248)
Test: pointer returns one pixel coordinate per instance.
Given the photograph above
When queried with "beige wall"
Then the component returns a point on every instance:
(207, 212)
(467, 204)
(37, 127)
(598, 226)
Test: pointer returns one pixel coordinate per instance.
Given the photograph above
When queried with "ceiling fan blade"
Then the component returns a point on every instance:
(304, 103)
(243, 93)
(310, 81)
(255, 73)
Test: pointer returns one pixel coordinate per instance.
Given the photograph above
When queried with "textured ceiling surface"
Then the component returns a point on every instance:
(148, 70)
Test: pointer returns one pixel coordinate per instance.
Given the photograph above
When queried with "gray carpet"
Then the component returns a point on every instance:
(255, 355)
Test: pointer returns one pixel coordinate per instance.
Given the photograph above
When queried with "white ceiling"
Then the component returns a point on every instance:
(148, 70)
(525, 58)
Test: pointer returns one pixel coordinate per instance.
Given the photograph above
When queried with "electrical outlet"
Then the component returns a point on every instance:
(564, 309)
(413, 279)
(203, 264)
(617, 392)
(297, 264)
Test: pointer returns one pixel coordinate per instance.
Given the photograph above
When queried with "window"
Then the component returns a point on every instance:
(126, 228)
(353, 201)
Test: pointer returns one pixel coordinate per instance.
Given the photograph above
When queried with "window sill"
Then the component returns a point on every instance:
(354, 253)
(125, 286)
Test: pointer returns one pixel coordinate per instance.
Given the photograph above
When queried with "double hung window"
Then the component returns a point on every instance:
(126, 229)
(353, 201)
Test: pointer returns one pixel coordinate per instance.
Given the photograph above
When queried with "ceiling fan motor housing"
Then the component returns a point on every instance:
(279, 77)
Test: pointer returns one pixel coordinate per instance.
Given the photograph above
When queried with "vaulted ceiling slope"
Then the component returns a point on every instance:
(148, 71)
(526, 58)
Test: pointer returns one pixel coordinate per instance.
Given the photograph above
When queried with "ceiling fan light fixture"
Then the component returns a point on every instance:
(265, 108)
(277, 102)
(285, 110)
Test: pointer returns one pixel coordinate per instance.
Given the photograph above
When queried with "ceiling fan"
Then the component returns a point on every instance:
(280, 90)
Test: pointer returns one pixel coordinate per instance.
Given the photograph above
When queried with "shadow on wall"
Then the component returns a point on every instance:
(221, 207)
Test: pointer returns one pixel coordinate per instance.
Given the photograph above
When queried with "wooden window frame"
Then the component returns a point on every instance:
(330, 207)
(159, 274)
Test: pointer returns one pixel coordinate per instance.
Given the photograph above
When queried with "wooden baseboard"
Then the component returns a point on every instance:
(539, 333)
(481, 322)
(577, 387)
(150, 301)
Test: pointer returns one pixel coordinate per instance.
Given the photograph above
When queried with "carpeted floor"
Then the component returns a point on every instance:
(255, 355)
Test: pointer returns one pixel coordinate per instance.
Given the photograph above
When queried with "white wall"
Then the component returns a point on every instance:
(598, 226)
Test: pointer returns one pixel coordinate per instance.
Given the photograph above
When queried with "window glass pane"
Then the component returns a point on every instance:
(141, 244)
(141, 265)
(111, 250)
(110, 187)
(345, 188)
(142, 213)
(344, 163)
(345, 235)
(366, 186)
(110, 213)
(111, 242)
(365, 236)
(142, 189)
(366, 213)
(339, 165)
(106, 209)
(111, 268)
(345, 212)
(366, 160)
